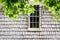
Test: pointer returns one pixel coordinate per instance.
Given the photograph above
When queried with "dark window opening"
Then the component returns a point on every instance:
(34, 18)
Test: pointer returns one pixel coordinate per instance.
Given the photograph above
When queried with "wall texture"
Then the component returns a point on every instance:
(17, 29)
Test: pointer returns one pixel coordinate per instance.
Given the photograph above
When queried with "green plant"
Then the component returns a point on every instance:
(54, 7)
(13, 8)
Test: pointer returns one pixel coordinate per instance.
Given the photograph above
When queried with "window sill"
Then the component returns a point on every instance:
(34, 29)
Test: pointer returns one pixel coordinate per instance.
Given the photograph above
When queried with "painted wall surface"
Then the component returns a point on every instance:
(17, 29)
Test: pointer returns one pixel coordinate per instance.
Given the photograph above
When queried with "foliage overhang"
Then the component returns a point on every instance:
(13, 8)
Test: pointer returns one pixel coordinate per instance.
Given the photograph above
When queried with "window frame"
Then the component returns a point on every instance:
(35, 29)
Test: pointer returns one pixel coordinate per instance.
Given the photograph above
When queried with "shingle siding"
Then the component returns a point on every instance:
(17, 29)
